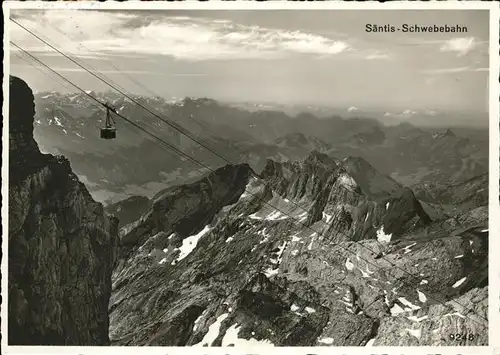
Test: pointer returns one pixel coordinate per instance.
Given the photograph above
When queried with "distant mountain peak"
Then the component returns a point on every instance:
(318, 157)
(371, 181)
(449, 133)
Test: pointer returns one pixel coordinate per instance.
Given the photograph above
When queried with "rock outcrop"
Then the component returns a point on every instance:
(321, 252)
(62, 245)
(129, 209)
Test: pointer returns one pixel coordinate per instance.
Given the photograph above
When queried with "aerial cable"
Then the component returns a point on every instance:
(93, 103)
(171, 124)
(265, 202)
(194, 160)
(139, 84)
(118, 114)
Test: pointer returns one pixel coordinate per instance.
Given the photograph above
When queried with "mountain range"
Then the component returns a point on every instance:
(313, 253)
(297, 243)
(136, 164)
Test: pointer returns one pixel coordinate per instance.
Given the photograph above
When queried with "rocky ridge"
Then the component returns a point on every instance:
(309, 254)
(62, 245)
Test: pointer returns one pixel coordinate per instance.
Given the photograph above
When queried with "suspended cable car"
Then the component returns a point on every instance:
(109, 132)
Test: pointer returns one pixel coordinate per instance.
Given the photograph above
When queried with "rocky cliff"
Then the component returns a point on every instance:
(61, 243)
(320, 252)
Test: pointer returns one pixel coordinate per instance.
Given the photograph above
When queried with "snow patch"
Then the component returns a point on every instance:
(271, 272)
(424, 282)
(454, 314)
(58, 121)
(195, 326)
(310, 310)
(365, 274)
(327, 216)
(253, 216)
(327, 341)
(312, 240)
(213, 331)
(409, 306)
(347, 181)
(407, 248)
(421, 297)
(415, 332)
(395, 310)
(228, 240)
(231, 338)
(263, 233)
(349, 265)
(382, 237)
(459, 256)
(189, 244)
(459, 282)
(302, 217)
(370, 342)
(275, 216)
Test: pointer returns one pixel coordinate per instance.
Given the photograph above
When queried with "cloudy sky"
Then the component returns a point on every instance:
(307, 57)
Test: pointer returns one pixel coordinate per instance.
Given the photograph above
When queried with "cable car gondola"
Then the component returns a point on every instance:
(109, 132)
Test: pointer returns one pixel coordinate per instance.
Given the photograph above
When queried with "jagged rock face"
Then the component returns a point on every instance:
(302, 256)
(351, 193)
(129, 210)
(457, 197)
(22, 145)
(182, 208)
(61, 244)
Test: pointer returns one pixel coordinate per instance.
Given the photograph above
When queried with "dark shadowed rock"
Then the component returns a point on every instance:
(129, 210)
(369, 179)
(61, 243)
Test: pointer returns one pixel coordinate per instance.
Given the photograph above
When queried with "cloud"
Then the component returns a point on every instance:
(378, 56)
(106, 71)
(94, 33)
(461, 46)
(78, 70)
(454, 70)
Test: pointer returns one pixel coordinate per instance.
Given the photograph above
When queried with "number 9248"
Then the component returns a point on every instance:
(462, 337)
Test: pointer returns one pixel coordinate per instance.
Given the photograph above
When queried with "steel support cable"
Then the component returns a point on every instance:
(265, 202)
